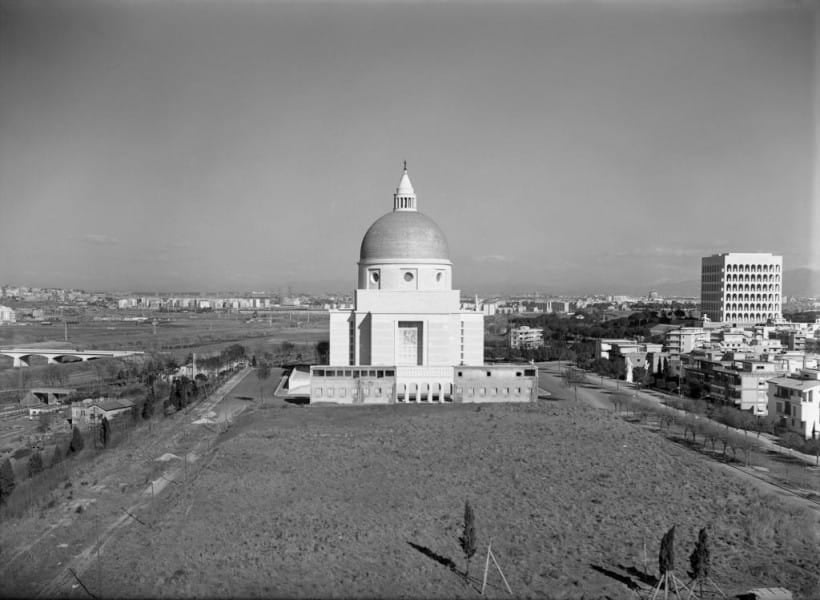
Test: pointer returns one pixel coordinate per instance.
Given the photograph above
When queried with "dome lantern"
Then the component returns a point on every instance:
(405, 196)
(405, 234)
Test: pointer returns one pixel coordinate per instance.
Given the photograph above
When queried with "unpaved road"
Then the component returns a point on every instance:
(116, 488)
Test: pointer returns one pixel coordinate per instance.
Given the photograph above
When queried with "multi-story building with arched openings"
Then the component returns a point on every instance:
(742, 287)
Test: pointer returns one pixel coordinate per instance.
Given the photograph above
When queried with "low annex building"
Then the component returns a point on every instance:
(45, 400)
(406, 339)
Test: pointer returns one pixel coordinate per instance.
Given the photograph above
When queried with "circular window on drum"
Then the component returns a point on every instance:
(439, 276)
(374, 276)
(408, 276)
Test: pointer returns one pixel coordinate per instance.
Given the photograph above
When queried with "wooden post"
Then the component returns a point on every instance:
(497, 566)
(486, 567)
(644, 557)
(99, 564)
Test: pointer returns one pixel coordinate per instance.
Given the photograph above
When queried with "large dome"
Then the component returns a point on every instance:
(404, 235)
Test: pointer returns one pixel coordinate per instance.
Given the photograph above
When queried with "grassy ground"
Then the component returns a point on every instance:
(367, 501)
(52, 524)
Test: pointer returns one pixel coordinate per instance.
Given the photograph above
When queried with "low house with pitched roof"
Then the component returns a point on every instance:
(90, 412)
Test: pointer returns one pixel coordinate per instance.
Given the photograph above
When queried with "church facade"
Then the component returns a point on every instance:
(406, 339)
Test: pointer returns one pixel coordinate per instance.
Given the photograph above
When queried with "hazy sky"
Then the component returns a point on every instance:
(560, 146)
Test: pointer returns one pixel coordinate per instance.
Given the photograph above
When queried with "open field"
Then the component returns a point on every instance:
(367, 501)
(766, 460)
(177, 333)
(182, 335)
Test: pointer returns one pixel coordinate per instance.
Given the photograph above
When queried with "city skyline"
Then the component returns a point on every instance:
(243, 146)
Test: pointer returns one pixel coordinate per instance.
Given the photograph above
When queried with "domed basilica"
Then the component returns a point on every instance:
(406, 339)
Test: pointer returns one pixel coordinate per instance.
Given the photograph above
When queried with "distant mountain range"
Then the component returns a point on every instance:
(801, 283)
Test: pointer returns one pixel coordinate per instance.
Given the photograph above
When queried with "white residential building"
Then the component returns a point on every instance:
(794, 402)
(526, 337)
(7, 315)
(685, 339)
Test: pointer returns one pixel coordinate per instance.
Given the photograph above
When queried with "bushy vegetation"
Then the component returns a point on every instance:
(77, 441)
(7, 482)
(573, 338)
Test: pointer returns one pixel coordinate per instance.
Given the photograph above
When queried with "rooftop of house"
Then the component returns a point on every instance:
(107, 403)
(794, 383)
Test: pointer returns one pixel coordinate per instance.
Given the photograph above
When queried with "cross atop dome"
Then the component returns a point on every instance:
(405, 196)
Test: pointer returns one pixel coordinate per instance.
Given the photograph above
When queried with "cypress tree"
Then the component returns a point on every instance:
(77, 441)
(7, 481)
(105, 432)
(700, 559)
(148, 408)
(666, 557)
(468, 539)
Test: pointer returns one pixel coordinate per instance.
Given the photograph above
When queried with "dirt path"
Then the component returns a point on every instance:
(550, 380)
(193, 439)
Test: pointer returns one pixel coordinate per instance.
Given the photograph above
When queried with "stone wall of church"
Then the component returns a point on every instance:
(340, 337)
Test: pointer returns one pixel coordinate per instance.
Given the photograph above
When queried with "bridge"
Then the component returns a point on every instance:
(22, 356)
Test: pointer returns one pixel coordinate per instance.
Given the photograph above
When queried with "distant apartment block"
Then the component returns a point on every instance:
(559, 306)
(741, 287)
(794, 402)
(525, 337)
(685, 339)
(7, 315)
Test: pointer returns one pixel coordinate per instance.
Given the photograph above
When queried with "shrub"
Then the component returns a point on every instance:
(44, 422)
(77, 441)
(58, 455)
(35, 464)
